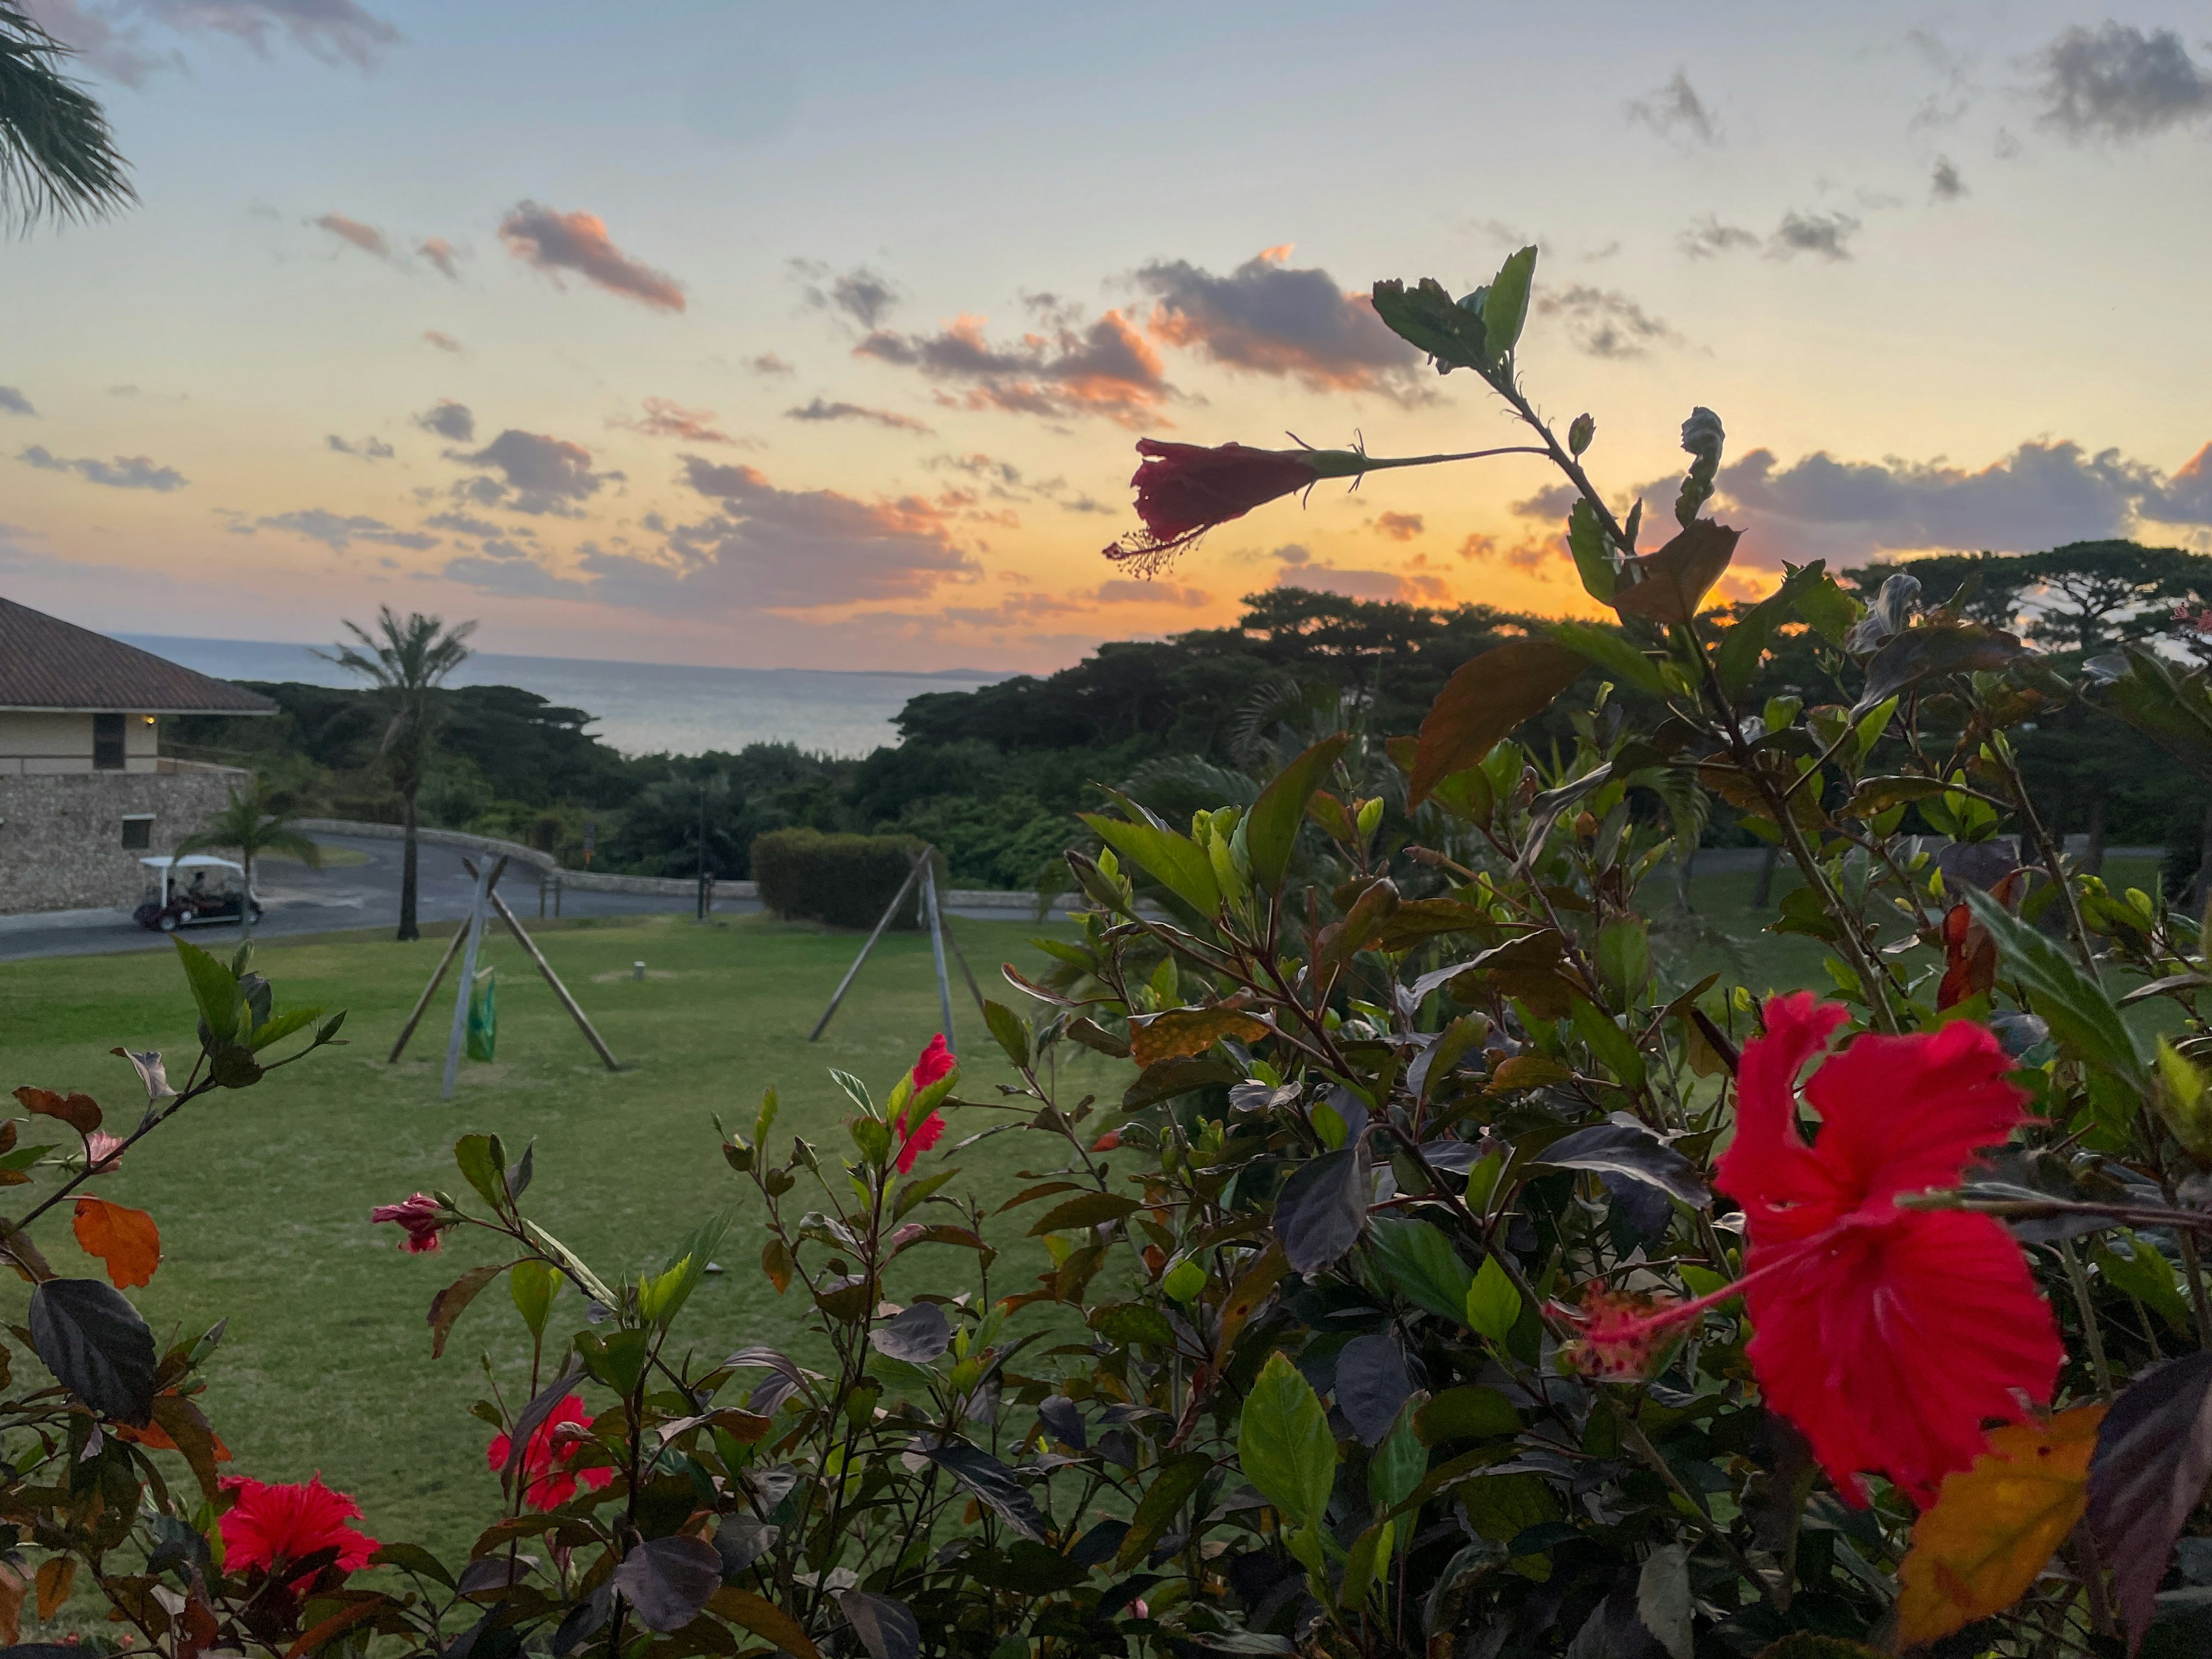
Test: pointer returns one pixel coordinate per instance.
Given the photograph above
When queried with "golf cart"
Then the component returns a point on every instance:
(195, 889)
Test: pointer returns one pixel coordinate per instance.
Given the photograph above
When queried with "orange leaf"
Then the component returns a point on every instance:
(126, 1239)
(1677, 578)
(13, 1589)
(57, 1573)
(1184, 1031)
(1993, 1527)
(80, 1112)
(1485, 699)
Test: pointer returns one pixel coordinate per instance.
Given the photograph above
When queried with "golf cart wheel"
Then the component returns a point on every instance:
(167, 921)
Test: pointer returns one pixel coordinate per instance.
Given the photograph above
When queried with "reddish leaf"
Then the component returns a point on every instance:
(80, 1112)
(1485, 699)
(1677, 578)
(126, 1239)
(2154, 1456)
(1970, 959)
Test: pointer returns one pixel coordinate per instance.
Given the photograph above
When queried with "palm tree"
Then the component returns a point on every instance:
(58, 158)
(406, 661)
(255, 827)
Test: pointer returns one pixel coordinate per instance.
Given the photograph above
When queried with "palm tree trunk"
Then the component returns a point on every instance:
(1762, 889)
(407, 928)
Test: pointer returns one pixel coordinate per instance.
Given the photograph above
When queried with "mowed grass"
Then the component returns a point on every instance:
(263, 1196)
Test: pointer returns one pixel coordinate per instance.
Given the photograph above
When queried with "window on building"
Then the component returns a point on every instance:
(107, 742)
(138, 832)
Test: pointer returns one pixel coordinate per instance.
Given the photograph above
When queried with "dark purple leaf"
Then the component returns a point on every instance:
(1063, 1418)
(1980, 864)
(1321, 1209)
(533, 1418)
(2154, 1456)
(1623, 1149)
(740, 1540)
(584, 1621)
(94, 1341)
(668, 1580)
(1372, 1385)
(884, 1626)
(992, 1483)
(918, 1335)
(495, 1573)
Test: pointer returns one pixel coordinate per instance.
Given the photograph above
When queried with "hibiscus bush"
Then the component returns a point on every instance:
(1447, 1266)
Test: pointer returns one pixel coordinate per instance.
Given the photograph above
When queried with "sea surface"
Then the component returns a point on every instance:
(641, 709)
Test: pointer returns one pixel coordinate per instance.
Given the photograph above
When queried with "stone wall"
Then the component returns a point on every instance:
(61, 834)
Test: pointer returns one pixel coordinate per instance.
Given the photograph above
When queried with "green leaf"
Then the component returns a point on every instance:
(1172, 1488)
(1176, 862)
(589, 1282)
(1826, 609)
(1624, 955)
(2081, 1015)
(1271, 828)
(1006, 1027)
(1422, 1263)
(1494, 1302)
(1505, 309)
(1126, 1323)
(1736, 662)
(483, 1162)
(2182, 1100)
(1469, 1411)
(618, 1359)
(1615, 1050)
(1284, 1445)
(1607, 648)
(276, 1030)
(1593, 559)
(533, 1285)
(1426, 317)
(1934, 648)
(213, 989)
(660, 1299)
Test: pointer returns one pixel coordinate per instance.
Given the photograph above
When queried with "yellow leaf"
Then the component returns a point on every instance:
(1182, 1032)
(126, 1239)
(1992, 1527)
(55, 1574)
(762, 1618)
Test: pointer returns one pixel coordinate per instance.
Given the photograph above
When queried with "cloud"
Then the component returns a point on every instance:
(1531, 553)
(440, 252)
(859, 294)
(2118, 82)
(335, 31)
(462, 524)
(1398, 526)
(15, 402)
(553, 242)
(768, 363)
(1268, 317)
(545, 475)
(1944, 185)
(442, 341)
(819, 410)
(1300, 569)
(98, 44)
(1108, 368)
(368, 449)
(367, 238)
(505, 569)
(1677, 114)
(1708, 237)
(455, 422)
(338, 532)
(1121, 590)
(763, 548)
(1825, 236)
(1604, 322)
(2042, 495)
(664, 419)
(124, 473)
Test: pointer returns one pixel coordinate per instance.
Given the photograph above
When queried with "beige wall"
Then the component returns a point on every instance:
(61, 833)
(44, 744)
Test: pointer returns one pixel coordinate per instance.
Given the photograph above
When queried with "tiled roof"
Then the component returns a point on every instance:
(48, 664)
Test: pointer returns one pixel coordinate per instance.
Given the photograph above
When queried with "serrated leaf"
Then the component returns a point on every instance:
(1181, 1032)
(886, 1628)
(482, 1164)
(1173, 1483)
(668, 1581)
(2080, 1014)
(1284, 1445)
(1322, 1208)
(1586, 541)
(1505, 307)
(215, 990)
(1613, 653)
(763, 1618)
(1921, 653)
(1086, 1209)
(96, 1344)
(920, 1335)
(1371, 1384)
(1421, 1262)
(992, 1482)
(2154, 1455)
(1976, 1550)
(1493, 1301)
(1628, 1150)
(1008, 1031)
(1176, 861)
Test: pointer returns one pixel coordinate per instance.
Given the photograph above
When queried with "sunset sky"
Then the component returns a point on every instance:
(703, 331)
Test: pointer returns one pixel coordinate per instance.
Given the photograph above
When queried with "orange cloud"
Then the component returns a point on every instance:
(553, 242)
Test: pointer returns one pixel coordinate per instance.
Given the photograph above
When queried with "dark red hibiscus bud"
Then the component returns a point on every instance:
(1183, 490)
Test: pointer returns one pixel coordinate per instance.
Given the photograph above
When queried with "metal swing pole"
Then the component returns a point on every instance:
(852, 973)
(937, 942)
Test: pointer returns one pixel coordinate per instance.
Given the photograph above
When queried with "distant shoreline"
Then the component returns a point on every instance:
(160, 644)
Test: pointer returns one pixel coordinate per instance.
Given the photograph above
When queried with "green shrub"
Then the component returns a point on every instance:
(844, 880)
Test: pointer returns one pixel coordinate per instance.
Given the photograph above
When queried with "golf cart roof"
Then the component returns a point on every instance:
(193, 861)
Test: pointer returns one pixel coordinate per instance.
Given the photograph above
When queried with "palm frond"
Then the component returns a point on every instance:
(57, 155)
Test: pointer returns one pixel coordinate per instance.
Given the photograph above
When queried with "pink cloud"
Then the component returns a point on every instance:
(552, 242)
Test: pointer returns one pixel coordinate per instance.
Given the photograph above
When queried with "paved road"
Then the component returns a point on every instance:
(298, 900)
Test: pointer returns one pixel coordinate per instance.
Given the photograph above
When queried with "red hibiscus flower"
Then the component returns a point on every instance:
(272, 1526)
(423, 1218)
(1183, 490)
(1887, 1335)
(548, 1461)
(935, 1065)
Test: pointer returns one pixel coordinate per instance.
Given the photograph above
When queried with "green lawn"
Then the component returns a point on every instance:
(263, 1197)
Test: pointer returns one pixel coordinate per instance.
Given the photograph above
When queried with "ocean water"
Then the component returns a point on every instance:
(641, 709)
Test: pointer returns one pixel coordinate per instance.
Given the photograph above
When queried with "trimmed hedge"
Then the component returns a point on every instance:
(844, 880)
